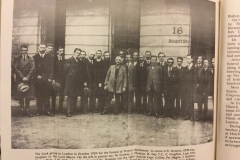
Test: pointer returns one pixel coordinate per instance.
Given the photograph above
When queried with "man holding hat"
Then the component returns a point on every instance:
(24, 67)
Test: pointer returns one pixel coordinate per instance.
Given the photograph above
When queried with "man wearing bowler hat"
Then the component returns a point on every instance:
(24, 67)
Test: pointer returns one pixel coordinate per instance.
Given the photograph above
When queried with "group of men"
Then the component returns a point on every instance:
(160, 89)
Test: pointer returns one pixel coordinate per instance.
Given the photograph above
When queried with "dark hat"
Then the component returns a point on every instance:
(22, 87)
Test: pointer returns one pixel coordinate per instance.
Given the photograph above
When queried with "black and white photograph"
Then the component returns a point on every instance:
(89, 74)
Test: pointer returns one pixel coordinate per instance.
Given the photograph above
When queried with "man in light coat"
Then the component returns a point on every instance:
(115, 84)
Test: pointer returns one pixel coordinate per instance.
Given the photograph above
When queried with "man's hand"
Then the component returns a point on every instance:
(25, 79)
(197, 85)
(53, 82)
(49, 80)
(105, 87)
(124, 89)
(100, 85)
(39, 77)
(85, 84)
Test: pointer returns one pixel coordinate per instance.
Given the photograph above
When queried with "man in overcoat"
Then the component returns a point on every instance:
(169, 88)
(43, 79)
(99, 78)
(24, 68)
(203, 88)
(154, 87)
(115, 84)
(140, 86)
(75, 82)
(131, 81)
(58, 77)
(190, 89)
(180, 87)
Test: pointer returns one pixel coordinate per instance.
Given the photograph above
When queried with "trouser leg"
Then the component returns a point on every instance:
(156, 100)
(108, 101)
(144, 97)
(117, 105)
(39, 104)
(205, 101)
(130, 101)
(150, 102)
(200, 103)
(54, 95)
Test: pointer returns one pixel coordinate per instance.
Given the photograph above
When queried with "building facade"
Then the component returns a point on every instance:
(175, 27)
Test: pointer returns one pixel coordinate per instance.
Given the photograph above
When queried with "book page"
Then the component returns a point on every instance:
(228, 130)
(109, 79)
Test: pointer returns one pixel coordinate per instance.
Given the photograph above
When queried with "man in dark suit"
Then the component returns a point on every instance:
(121, 54)
(148, 58)
(76, 80)
(106, 66)
(154, 86)
(180, 87)
(92, 86)
(131, 78)
(169, 88)
(115, 84)
(198, 66)
(212, 83)
(203, 88)
(43, 79)
(140, 86)
(99, 78)
(135, 58)
(58, 77)
(24, 67)
(162, 62)
(190, 89)
(83, 79)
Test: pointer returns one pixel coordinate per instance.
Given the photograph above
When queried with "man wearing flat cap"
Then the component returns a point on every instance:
(24, 67)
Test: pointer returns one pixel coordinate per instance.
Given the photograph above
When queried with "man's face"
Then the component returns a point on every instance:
(42, 48)
(135, 56)
(99, 55)
(60, 51)
(161, 57)
(199, 59)
(205, 63)
(118, 60)
(82, 55)
(128, 58)
(170, 63)
(213, 62)
(179, 62)
(148, 55)
(106, 56)
(49, 49)
(24, 51)
(91, 56)
(141, 58)
(154, 61)
(189, 59)
(77, 53)
(121, 54)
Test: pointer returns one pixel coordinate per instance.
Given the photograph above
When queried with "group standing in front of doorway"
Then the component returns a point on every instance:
(159, 88)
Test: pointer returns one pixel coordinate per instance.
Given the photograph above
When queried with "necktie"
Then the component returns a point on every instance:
(92, 62)
(24, 57)
(169, 72)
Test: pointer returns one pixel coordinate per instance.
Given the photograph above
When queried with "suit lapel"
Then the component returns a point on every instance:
(24, 63)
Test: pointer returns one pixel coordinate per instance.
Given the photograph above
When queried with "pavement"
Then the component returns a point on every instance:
(92, 130)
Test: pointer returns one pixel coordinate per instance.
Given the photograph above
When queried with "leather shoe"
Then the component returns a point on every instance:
(116, 112)
(69, 115)
(192, 119)
(185, 118)
(156, 115)
(28, 113)
(164, 115)
(49, 114)
(104, 112)
(199, 119)
(173, 116)
(22, 113)
(38, 114)
(149, 114)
